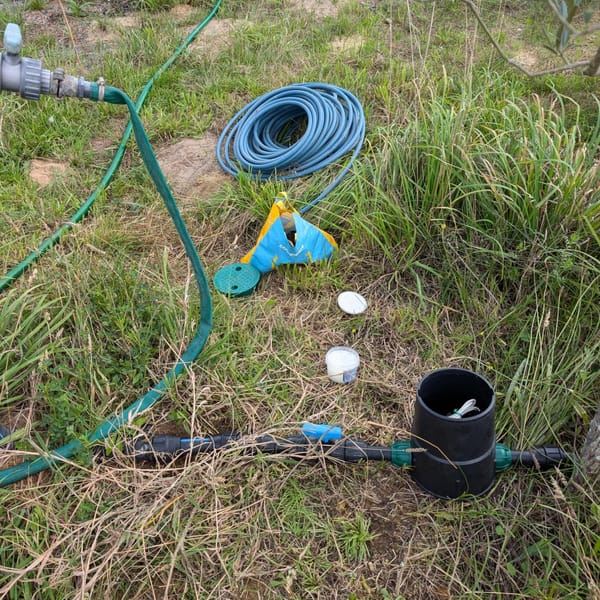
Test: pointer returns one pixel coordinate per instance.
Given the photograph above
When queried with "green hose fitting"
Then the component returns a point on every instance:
(95, 92)
(544, 457)
(503, 457)
(401, 457)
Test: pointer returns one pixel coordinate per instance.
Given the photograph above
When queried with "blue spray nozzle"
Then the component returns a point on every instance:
(322, 432)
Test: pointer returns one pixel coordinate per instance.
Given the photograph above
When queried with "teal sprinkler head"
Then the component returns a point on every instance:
(26, 76)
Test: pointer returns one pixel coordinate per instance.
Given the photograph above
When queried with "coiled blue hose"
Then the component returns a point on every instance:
(292, 132)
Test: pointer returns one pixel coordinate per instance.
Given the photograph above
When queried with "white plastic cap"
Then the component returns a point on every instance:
(352, 303)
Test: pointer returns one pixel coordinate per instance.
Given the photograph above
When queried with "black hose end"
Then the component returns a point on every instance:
(159, 448)
(543, 458)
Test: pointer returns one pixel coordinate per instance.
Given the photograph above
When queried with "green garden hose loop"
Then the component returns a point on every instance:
(116, 96)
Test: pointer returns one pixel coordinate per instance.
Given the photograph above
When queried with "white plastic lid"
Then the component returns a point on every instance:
(352, 303)
(342, 364)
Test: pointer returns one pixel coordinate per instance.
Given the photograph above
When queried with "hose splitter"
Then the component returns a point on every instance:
(27, 77)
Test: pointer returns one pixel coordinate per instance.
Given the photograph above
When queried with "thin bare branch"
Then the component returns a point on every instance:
(594, 64)
(559, 16)
(585, 32)
(568, 67)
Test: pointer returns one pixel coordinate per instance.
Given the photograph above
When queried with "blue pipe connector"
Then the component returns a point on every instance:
(322, 432)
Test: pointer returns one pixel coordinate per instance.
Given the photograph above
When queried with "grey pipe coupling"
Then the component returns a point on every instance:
(27, 77)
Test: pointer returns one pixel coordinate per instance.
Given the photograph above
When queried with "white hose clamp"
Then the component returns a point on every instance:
(100, 89)
(468, 407)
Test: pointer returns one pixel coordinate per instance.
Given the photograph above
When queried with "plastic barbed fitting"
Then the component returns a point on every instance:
(26, 76)
(322, 432)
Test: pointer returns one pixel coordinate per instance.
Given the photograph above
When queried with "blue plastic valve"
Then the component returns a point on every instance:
(322, 432)
(13, 41)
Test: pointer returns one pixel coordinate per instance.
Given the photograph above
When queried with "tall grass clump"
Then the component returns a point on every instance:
(30, 332)
(506, 178)
(493, 208)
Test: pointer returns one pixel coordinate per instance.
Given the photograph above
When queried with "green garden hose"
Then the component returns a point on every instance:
(51, 241)
(116, 96)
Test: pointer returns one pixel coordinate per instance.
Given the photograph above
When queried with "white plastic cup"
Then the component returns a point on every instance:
(342, 364)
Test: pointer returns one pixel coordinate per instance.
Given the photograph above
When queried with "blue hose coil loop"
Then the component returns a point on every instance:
(292, 132)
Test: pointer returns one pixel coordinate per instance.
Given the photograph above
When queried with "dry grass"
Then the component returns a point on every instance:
(232, 524)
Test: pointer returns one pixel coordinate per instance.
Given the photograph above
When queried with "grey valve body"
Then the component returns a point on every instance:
(27, 77)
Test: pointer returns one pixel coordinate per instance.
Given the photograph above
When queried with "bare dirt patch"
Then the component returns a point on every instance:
(349, 43)
(323, 8)
(216, 35)
(127, 21)
(181, 11)
(101, 144)
(76, 32)
(45, 172)
(526, 58)
(191, 166)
